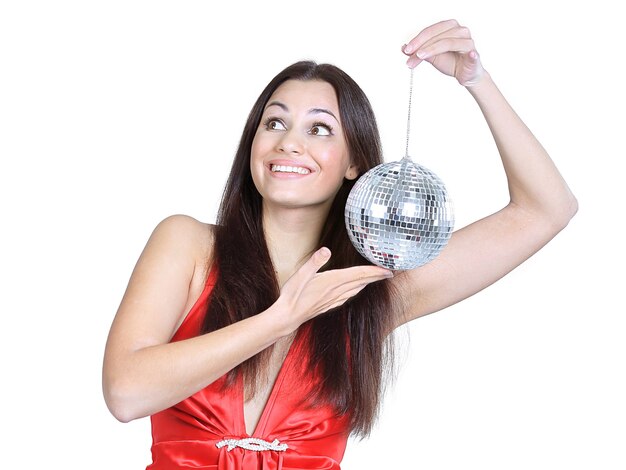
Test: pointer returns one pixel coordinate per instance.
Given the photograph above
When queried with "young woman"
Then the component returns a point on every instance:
(262, 341)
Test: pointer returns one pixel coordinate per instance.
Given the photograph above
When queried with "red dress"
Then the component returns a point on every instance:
(194, 432)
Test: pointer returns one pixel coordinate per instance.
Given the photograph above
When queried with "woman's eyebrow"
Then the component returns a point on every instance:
(284, 107)
(322, 110)
(279, 104)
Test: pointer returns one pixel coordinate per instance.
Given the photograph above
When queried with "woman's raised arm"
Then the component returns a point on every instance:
(541, 204)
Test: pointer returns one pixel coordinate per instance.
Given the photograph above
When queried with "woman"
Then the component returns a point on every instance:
(220, 335)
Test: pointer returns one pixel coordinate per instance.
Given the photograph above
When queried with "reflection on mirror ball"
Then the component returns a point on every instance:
(399, 215)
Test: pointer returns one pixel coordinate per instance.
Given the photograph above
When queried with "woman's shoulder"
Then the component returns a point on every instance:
(191, 235)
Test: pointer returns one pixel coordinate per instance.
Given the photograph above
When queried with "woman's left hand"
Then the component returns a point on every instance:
(449, 47)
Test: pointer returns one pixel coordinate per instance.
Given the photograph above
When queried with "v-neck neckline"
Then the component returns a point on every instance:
(261, 424)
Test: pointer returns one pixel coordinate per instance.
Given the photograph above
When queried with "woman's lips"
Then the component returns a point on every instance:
(288, 170)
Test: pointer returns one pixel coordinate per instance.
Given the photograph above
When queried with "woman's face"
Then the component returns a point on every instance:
(299, 154)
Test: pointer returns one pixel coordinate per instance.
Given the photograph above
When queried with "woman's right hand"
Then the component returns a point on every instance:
(308, 293)
(449, 47)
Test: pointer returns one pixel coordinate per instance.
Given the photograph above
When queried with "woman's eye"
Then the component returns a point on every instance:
(320, 129)
(274, 125)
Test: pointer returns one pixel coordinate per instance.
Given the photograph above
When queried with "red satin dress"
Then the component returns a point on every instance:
(193, 433)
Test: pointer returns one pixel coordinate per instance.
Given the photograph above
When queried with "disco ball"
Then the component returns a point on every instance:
(399, 215)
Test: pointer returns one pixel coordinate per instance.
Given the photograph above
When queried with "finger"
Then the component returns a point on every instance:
(357, 281)
(359, 273)
(474, 55)
(343, 298)
(428, 33)
(463, 46)
(413, 61)
(315, 262)
(456, 32)
(361, 283)
(374, 274)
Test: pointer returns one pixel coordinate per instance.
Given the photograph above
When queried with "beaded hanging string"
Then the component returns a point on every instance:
(408, 120)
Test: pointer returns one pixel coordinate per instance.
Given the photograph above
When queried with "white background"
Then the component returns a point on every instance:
(114, 115)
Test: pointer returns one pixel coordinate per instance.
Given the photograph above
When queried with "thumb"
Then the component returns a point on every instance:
(316, 261)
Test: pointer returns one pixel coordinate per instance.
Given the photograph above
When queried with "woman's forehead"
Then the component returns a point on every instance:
(307, 94)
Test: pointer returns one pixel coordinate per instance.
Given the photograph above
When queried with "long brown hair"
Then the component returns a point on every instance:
(352, 377)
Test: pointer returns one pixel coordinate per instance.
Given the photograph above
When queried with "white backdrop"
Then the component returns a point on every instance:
(114, 115)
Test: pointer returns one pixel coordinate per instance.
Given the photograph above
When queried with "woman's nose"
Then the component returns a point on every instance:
(291, 143)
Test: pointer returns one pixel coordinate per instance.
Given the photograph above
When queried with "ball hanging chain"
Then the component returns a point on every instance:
(408, 120)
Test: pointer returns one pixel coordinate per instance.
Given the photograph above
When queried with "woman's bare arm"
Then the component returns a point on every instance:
(541, 204)
(143, 373)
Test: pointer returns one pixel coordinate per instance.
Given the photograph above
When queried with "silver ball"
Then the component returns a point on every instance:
(399, 215)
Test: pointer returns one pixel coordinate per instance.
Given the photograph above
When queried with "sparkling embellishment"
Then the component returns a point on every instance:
(399, 215)
(252, 443)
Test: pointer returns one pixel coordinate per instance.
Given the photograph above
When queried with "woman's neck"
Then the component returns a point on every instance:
(292, 235)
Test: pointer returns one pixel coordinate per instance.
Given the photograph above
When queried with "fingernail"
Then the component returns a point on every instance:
(389, 274)
(407, 49)
(324, 251)
(412, 61)
(421, 54)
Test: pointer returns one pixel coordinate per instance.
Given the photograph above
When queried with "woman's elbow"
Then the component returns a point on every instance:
(570, 208)
(121, 414)
(573, 206)
(118, 401)
(557, 215)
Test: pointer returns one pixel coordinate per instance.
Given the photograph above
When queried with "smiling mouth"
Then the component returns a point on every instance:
(289, 169)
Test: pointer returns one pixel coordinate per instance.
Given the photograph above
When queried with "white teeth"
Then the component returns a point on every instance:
(290, 169)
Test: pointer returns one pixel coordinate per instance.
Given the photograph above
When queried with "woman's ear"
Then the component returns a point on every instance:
(352, 172)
